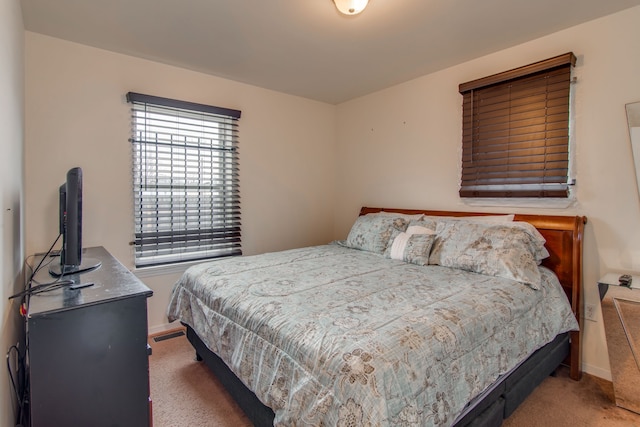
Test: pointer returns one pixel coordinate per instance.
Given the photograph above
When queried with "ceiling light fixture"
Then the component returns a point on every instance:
(350, 7)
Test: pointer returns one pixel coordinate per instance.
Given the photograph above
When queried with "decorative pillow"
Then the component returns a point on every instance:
(372, 232)
(413, 248)
(510, 250)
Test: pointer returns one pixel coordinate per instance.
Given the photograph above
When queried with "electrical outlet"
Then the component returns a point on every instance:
(590, 312)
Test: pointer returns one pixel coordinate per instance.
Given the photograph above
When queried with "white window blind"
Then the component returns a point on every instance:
(185, 180)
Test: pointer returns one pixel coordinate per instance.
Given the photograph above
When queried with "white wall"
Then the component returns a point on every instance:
(401, 147)
(11, 182)
(307, 167)
(76, 115)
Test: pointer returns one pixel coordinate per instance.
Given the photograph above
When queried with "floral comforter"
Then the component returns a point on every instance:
(334, 336)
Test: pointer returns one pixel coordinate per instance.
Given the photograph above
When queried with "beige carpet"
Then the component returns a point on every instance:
(185, 393)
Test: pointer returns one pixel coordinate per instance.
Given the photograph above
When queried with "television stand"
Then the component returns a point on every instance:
(86, 265)
(88, 354)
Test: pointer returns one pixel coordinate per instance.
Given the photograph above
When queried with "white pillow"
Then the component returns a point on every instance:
(475, 218)
(489, 218)
(418, 229)
(408, 217)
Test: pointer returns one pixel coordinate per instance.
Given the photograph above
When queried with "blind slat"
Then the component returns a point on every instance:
(516, 133)
(186, 184)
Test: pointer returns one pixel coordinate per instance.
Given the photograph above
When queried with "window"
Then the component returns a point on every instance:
(515, 137)
(185, 180)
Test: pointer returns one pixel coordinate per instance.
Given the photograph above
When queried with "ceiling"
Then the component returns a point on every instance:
(305, 47)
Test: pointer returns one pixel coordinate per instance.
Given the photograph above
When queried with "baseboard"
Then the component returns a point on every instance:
(605, 374)
(158, 329)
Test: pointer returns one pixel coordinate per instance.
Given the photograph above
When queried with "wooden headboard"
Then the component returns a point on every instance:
(564, 236)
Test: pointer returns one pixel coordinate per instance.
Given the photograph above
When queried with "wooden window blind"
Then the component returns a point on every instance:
(515, 139)
(185, 180)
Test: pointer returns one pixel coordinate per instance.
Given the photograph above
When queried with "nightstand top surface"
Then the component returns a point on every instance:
(612, 279)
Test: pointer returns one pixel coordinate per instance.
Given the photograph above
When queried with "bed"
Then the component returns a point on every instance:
(403, 323)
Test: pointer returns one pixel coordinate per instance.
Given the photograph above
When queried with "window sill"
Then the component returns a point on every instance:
(163, 270)
(173, 268)
(521, 202)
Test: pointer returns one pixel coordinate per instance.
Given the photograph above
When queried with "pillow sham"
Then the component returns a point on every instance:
(412, 248)
(431, 221)
(371, 232)
(510, 250)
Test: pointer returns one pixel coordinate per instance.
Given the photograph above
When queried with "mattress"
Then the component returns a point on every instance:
(330, 335)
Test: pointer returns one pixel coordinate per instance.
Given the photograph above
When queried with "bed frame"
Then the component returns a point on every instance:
(564, 236)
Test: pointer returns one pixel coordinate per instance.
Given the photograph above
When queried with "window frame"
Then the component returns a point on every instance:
(185, 181)
(505, 177)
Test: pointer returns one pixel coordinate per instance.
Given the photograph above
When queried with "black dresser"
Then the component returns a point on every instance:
(88, 354)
